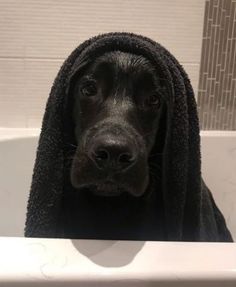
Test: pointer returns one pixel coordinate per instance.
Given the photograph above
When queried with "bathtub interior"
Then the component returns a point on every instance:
(17, 155)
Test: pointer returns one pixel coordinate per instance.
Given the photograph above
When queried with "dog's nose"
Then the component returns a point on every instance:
(113, 153)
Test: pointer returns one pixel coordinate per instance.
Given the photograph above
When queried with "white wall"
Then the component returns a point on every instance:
(36, 36)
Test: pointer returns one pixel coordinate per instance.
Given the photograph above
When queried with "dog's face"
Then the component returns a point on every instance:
(117, 105)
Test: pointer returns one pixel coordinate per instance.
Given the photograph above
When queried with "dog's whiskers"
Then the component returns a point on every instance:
(157, 167)
(154, 176)
(147, 134)
(155, 154)
(71, 145)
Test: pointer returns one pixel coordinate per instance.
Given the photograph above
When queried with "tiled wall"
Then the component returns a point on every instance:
(36, 36)
(217, 83)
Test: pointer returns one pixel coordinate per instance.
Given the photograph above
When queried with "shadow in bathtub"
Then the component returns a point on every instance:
(16, 166)
(109, 253)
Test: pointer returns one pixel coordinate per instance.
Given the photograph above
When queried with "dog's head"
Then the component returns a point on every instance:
(118, 101)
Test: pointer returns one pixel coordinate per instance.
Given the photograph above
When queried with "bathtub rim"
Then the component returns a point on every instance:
(39, 264)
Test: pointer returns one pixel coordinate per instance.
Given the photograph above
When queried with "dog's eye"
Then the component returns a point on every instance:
(153, 100)
(88, 88)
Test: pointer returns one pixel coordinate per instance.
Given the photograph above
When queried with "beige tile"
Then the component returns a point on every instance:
(43, 29)
(24, 89)
(11, 93)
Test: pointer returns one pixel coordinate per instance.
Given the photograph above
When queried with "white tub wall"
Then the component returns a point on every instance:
(17, 153)
(219, 171)
(36, 36)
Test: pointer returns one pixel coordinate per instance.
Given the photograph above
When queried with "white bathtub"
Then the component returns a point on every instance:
(111, 263)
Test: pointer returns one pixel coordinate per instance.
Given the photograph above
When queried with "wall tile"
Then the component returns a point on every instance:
(216, 93)
(36, 36)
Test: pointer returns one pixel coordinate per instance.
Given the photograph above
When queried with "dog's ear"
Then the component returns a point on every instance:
(166, 92)
(70, 105)
(73, 79)
(164, 85)
(161, 131)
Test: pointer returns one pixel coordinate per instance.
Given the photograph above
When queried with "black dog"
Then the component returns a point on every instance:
(118, 104)
(119, 151)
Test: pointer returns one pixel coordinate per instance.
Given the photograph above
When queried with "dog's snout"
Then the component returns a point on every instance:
(113, 153)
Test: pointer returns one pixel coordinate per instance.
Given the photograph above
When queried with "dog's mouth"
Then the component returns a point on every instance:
(87, 179)
(106, 188)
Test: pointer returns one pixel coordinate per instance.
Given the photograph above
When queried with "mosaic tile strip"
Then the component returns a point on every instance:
(217, 82)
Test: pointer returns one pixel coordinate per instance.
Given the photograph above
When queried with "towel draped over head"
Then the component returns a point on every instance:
(189, 209)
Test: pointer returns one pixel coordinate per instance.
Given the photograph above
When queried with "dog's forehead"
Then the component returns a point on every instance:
(125, 62)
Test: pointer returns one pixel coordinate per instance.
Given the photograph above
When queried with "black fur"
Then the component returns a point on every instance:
(119, 100)
(119, 117)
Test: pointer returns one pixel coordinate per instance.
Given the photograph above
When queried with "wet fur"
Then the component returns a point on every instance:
(135, 213)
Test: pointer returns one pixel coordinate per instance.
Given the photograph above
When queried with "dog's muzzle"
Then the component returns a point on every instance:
(110, 161)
